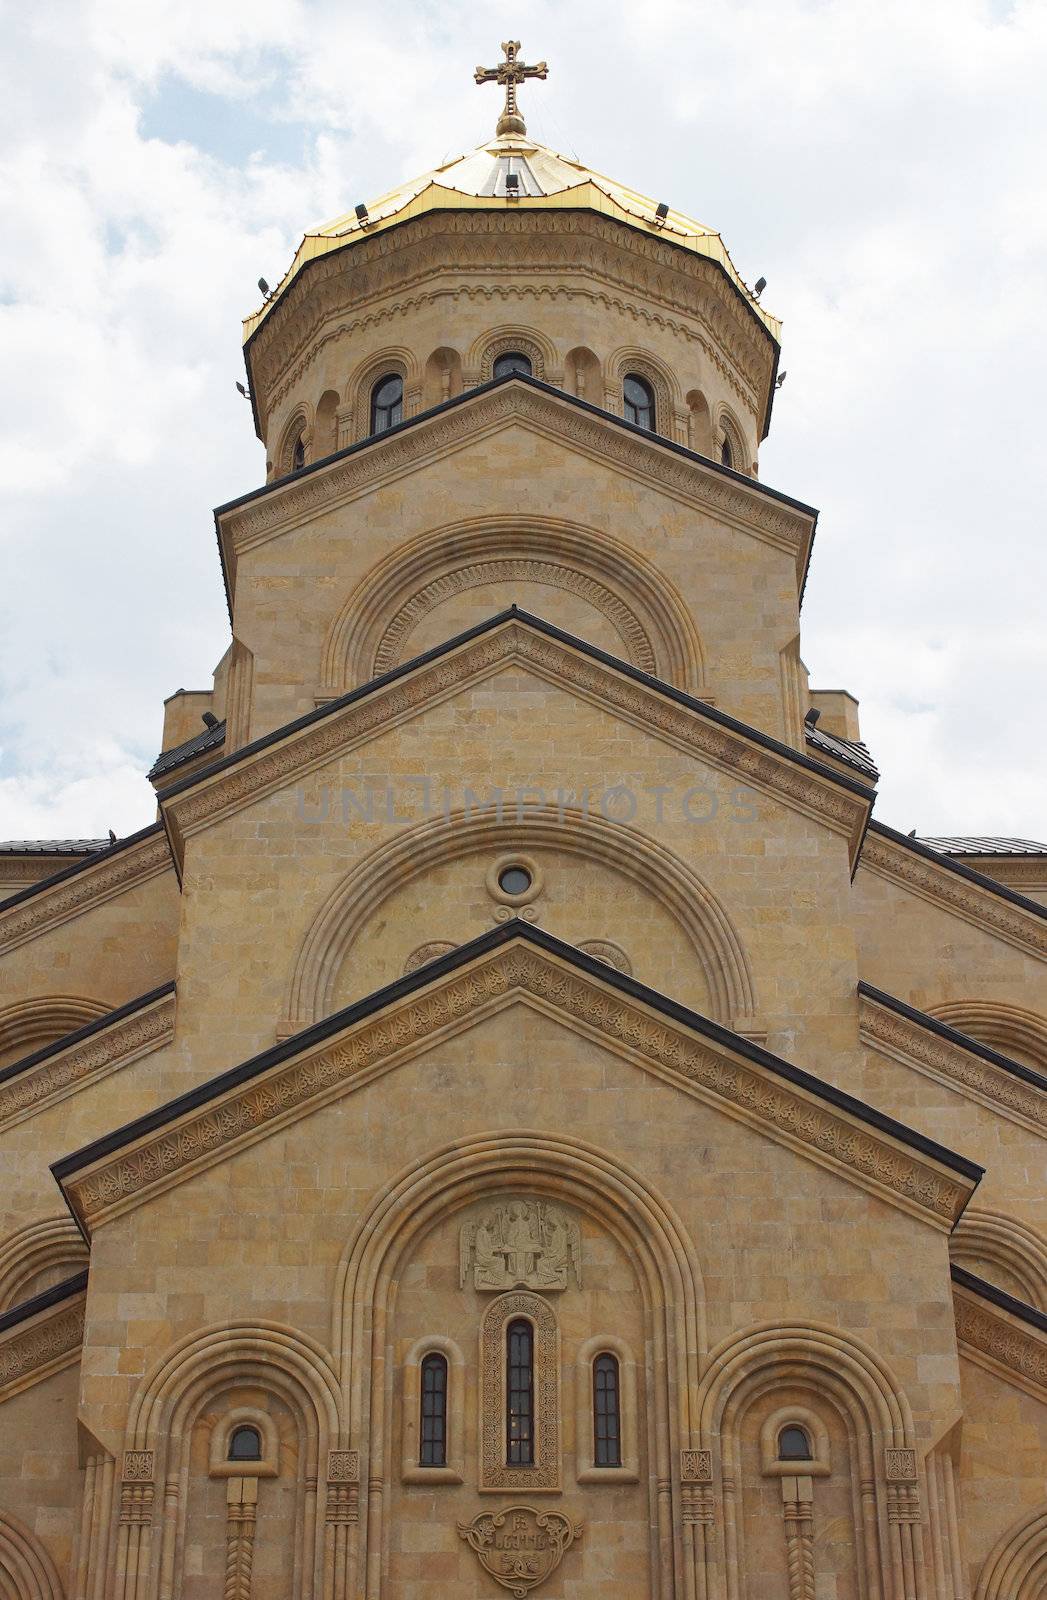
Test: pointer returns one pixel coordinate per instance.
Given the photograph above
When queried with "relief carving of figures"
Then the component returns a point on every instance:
(521, 1243)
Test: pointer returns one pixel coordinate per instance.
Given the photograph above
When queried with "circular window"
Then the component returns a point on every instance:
(514, 880)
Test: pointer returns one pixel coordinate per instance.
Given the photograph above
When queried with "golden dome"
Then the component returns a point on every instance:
(482, 180)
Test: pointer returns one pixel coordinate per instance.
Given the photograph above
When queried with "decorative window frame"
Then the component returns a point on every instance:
(793, 1416)
(662, 384)
(628, 1413)
(544, 1476)
(383, 364)
(515, 858)
(411, 1470)
(298, 426)
(268, 1466)
(728, 426)
(526, 341)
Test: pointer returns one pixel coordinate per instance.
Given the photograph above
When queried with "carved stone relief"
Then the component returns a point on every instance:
(525, 1244)
(520, 1546)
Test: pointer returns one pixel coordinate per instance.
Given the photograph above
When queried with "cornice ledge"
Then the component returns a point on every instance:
(667, 467)
(414, 690)
(97, 880)
(45, 1343)
(1013, 1349)
(785, 1110)
(933, 881)
(950, 1063)
(65, 1071)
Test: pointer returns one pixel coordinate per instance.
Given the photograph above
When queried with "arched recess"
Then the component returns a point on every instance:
(837, 1369)
(31, 1024)
(443, 377)
(583, 375)
(620, 1200)
(26, 1570)
(540, 351)
(268, 1356)
(372, 630)
(298, 426)
(418, 849)
(325, 428)
(661, 378)
(1016, 1568)
(38, 1256)
(396, 358)
(699, 424)
(1004, 1251)
(1013, 1030)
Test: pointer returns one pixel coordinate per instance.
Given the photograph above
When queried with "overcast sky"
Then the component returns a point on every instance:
(881, 163)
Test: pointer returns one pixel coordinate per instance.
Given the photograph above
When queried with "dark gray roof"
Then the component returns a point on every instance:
(850, 751)
(52, 847)
(168, 760)
(983, 845)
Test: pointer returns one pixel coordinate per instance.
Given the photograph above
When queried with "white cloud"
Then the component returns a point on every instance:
(880, 163)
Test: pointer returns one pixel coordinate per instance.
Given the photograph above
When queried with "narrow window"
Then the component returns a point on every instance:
(726, 453)
(512, 361)
(519, 1394)
(607, 1413)
(245, 1444)
(639, 402)
(298, 455)
(387, 402)
(794, 1445)
(433, 1452)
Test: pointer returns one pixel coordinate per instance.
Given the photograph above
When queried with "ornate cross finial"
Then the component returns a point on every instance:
(511, 72)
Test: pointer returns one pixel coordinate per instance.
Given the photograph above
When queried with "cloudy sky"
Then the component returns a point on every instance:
(881, 162)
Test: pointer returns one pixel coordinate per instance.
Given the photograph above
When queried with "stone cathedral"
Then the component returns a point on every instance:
(518, 1121)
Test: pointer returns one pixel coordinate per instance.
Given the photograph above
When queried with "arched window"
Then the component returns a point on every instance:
(245, 1444)
(298, 454)
(726, 453)
(639, 401)
(512, 361)
(793, 1444)
(519, 1394)
(387, 402)
(607, 1412)
(433, 1432)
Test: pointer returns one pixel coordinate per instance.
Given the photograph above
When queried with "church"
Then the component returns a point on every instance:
(518, 1121)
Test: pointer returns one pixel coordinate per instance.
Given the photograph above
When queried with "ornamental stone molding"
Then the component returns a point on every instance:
(516, 258)
(45, 1344)
(99, 880)
(687, 726)
(741, 1088)
(1012, 1349)
(520, 1547)
(951, 1064)
(890, 859)
(690, 480)
(68, 1070)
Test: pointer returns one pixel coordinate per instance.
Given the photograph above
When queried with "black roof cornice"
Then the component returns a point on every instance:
(999, 1297)
(412, 982)
(960, 869)
(95, 859)
(460, 400)
(68, 1040)
(66, 1290)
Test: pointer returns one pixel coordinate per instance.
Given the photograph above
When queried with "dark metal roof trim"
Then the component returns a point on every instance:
(462, 399)
(950, 864)
(975, 1047)
(44, 1301)
(77, 1036)
(400, 988)
(513, 613)
(852, 752)
(206, 739)
(999, 1297)
(80, 866)
(984, 845)
(51, 847)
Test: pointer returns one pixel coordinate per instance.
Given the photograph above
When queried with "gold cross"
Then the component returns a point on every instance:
(511, 72)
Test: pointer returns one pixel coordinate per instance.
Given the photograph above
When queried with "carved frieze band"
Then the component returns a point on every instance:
(328, 303)
(953, 1065)
(892, 860)
(698, 1506)
(92, 886)
(729, 1082)
(111, 1047)
(31, 1352)
(843, 812)
(991, 1333)
(685, 479)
